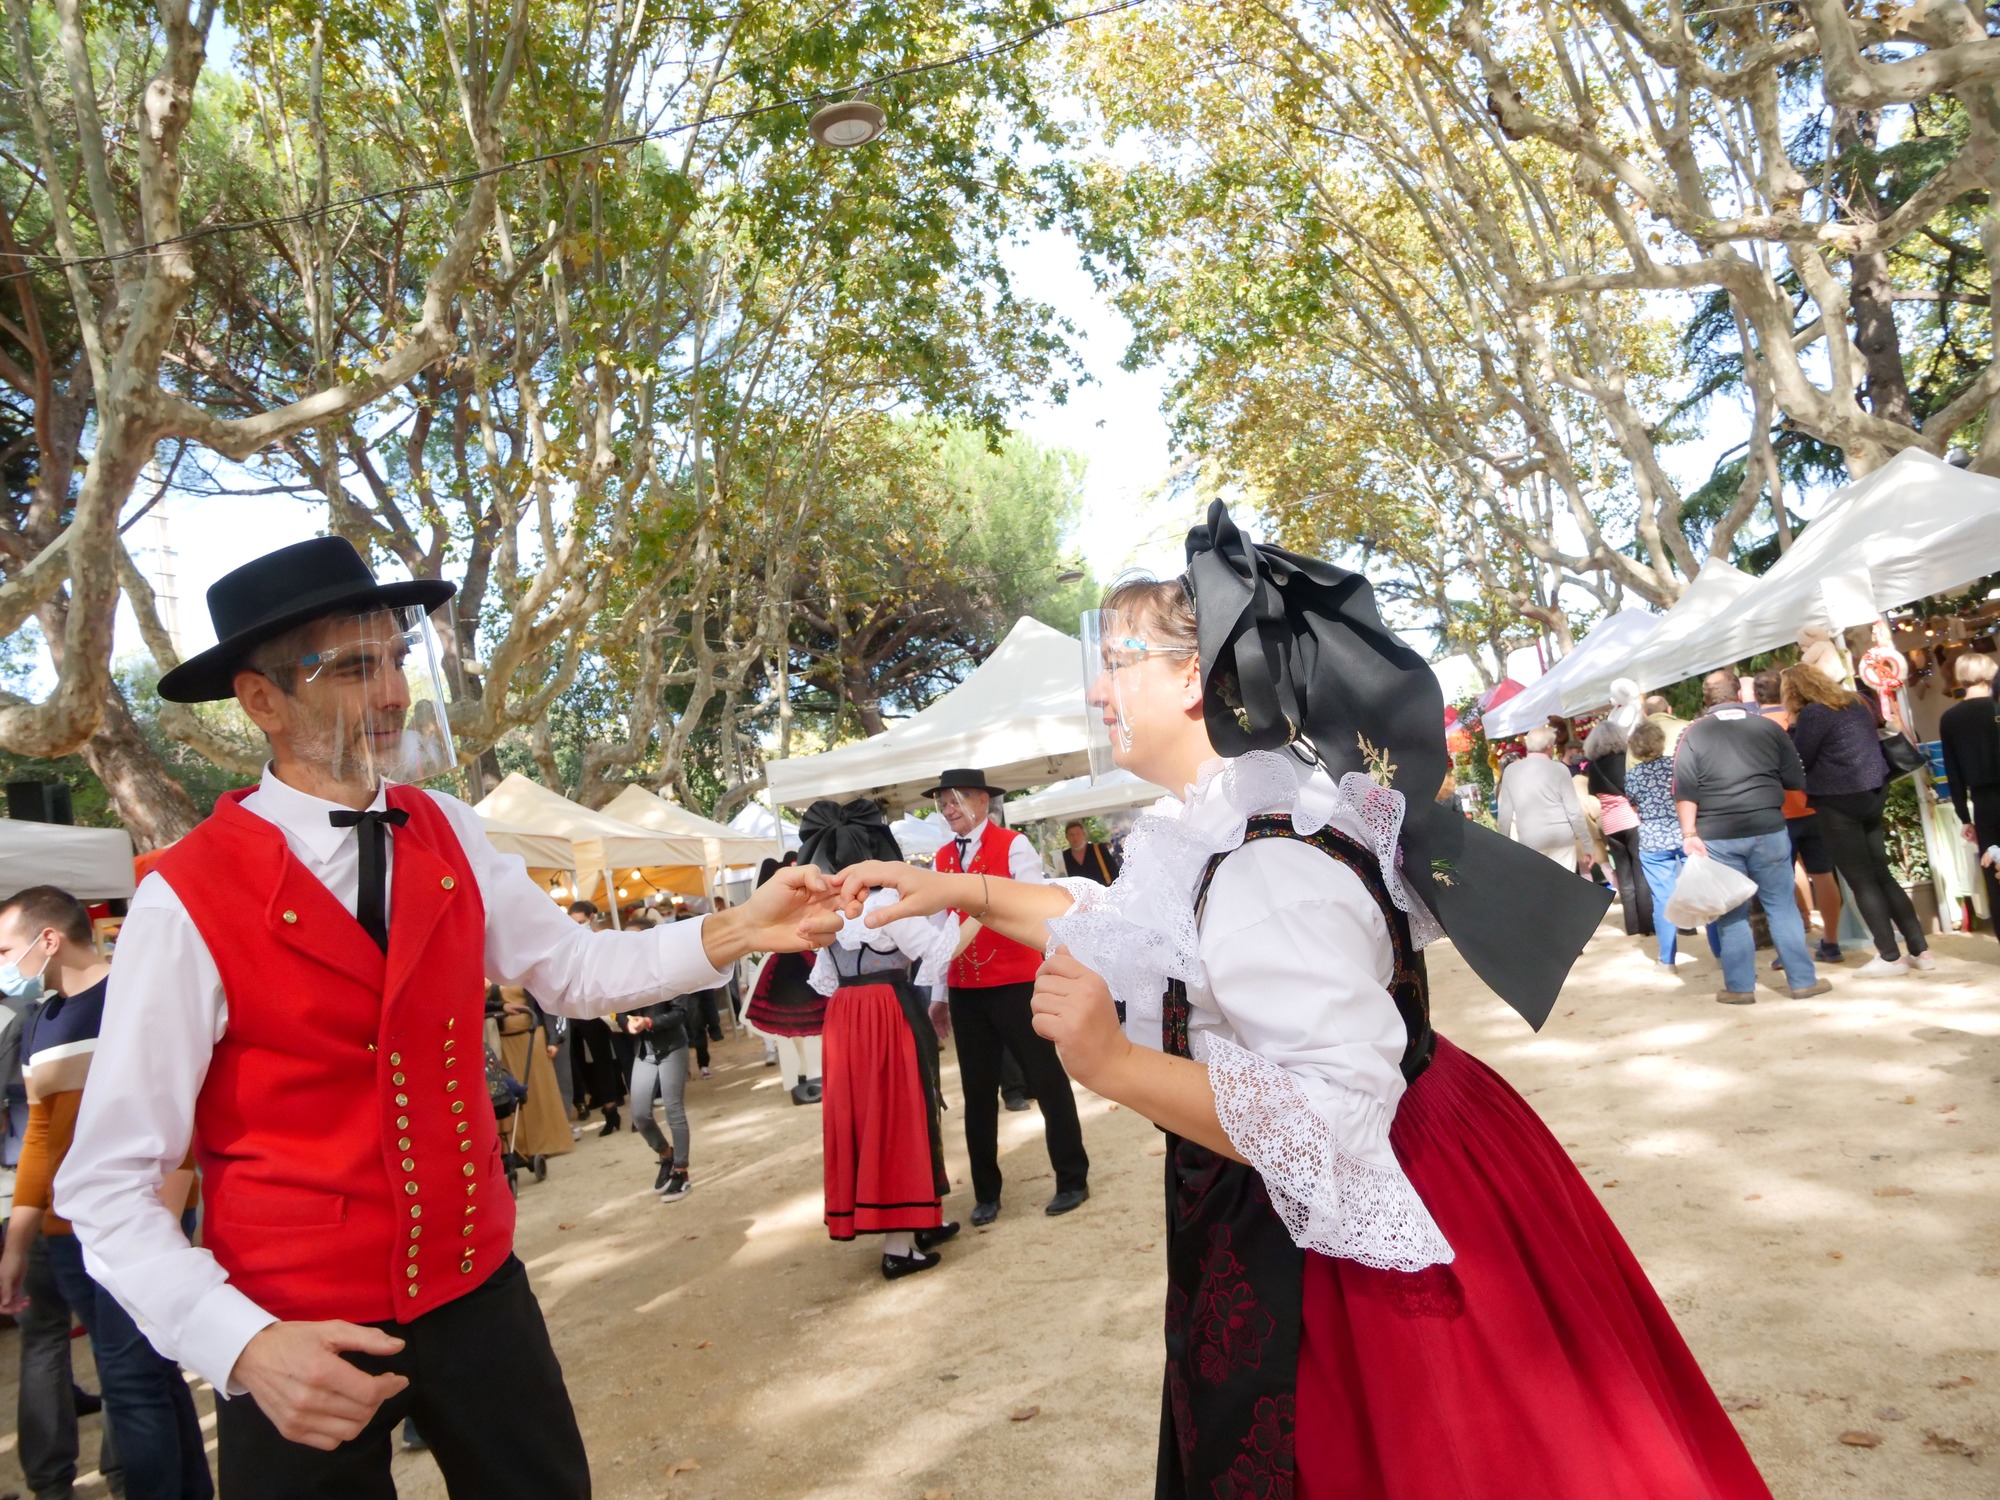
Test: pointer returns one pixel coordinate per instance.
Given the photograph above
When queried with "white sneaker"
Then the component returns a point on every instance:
(1924, 960)
(1879, 967)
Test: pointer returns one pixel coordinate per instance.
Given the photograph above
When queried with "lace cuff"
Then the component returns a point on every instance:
(825, 978)
(1330, 1199)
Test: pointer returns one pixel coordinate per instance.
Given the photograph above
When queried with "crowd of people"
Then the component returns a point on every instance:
(1783, 777)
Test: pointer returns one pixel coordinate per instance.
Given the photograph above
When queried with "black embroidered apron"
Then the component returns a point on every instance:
(1234, 1277)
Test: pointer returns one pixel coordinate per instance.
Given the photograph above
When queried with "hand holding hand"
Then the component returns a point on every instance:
(923, 892)
(796, 909)
(1073, 1008)
(312, 1395)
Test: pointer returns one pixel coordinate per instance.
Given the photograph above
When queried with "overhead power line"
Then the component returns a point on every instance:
(464, 179)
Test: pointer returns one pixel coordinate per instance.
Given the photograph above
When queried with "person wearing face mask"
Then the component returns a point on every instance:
(300, 992)
(1386, 1280)
(45, 941)
(990, 982)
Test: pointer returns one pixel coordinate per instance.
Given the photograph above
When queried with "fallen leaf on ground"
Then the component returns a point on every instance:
(1909, 1098)
(1752, 1197)
(1741, 1403)
(1955, 1382)
(1025, 1414)
(684, 1466)
(565, 1226)
(1895, 1192)
(1836, 1255)
(1945, 1109)
(1612, 1183)
(808, 1312)
(1861, 1439)
(1937, 1442)
(706, 1344)
(937, 1495)
(1890, 1414)
(948, 1375)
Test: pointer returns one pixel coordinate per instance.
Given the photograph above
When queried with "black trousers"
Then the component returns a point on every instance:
(985, 1021)
(1985, 802)
(46, 1412)
(1851, 825)
(475, 1367)
(1635, 901)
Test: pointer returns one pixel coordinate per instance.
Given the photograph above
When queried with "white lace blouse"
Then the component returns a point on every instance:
(1287, 975)
(927, 942)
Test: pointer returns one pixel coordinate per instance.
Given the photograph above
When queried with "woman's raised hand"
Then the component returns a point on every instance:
(923, 892)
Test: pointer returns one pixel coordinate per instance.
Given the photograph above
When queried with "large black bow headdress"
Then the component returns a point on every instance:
(1315, 668)
(834, 835)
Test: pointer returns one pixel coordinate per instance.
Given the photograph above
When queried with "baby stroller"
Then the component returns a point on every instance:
(507, 1094)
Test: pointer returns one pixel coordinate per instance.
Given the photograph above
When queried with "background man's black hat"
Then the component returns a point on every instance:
(964, 779)
(265, 598)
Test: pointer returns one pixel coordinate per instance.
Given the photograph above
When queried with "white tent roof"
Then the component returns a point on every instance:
(1019, 718)
(539, 851)
(92, 864)
(601, 842)
(1716, 590)
(1608, 648)
(723, 845)
(1079, 797)
(1915, 527)
(760, 822)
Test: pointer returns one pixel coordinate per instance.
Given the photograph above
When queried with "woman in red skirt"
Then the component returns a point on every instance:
(1386, 1281)
(884, 1151)
(785, 1008)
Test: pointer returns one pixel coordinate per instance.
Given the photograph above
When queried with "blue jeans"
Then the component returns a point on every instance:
(1662, 870)
(159, 1435)
(1766, 859)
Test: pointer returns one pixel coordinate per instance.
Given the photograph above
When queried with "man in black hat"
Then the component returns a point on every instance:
(299, 993)
(992, 982)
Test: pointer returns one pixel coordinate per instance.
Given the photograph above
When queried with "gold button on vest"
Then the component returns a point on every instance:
(448, 883)
(468, 1171)
(411, 1189)
(409, 1164)
(291, 916)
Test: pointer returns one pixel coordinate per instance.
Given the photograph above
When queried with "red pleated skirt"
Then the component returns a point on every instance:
(1539, 1363)
(876, 1120)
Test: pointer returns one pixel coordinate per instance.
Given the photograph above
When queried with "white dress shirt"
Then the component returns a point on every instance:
(165, 1012)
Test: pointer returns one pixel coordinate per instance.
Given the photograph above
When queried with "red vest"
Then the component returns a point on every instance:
(992, 959)
(347, 1145)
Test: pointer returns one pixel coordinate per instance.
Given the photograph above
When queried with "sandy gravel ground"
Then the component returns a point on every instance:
(1810, 1184)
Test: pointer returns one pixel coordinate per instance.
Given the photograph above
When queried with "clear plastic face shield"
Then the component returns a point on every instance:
(961, 809)
(1116, 652)
(370, 700)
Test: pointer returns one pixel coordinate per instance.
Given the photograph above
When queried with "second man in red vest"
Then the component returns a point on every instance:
(991, 985)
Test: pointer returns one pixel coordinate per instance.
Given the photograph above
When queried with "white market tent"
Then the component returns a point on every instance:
(722, 845)
(759, 822)
(1915, 527)
(1080, 797)
(604, 845)
(1608, 648)
(1717, 589)
(920, 836)
(92, 864)
(1019, 718)
(539, 851)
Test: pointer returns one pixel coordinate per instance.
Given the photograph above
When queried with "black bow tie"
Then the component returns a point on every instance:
(371, 902)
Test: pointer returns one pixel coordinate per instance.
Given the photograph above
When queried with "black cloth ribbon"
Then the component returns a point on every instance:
(834, 835)
(1317, 670)
(371, 902)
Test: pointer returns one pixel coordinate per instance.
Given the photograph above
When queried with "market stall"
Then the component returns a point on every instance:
(1680, 636)
(1601, 655)
(723, 846)
(615, 861)
(92, 864)
(1080, 797)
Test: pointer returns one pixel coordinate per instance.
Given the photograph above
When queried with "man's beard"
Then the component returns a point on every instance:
(338, 746)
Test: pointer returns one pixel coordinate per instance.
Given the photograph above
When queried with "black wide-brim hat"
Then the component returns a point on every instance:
(964, 779)
(295, 585)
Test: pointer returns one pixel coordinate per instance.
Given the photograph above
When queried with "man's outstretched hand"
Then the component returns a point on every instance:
(312, 1395)
(794, 910)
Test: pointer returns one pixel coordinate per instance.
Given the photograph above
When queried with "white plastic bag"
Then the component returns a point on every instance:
(1707, 888)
